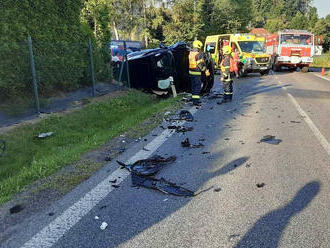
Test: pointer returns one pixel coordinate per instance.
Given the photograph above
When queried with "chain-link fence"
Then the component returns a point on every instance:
(50, 76)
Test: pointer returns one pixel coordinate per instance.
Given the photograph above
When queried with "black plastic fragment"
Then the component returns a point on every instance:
(181, 129)
(113, 181)
(107, 158)
(115, 186)
(260, 185)
(148, 167)
(161, 185)
(186, 115)
(186, 143)
(143, 172)
(270, 139)
(16, 209)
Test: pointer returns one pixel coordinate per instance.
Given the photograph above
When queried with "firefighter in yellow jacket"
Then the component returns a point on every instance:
(225, 75)
(196, 67)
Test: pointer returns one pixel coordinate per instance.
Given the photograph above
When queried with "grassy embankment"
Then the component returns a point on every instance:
(28, 159)
(322, 61)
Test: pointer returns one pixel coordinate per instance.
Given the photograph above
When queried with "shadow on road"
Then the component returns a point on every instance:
(267, 231)
(232, 166)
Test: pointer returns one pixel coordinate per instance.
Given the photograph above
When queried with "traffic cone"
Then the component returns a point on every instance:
(323, 71)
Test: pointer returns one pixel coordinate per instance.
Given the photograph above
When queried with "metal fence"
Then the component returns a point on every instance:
(47, 76)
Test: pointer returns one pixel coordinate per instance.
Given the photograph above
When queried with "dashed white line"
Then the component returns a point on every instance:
(50, 234)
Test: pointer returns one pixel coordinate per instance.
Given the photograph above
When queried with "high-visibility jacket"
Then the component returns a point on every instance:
(196, 63)
(225, 67)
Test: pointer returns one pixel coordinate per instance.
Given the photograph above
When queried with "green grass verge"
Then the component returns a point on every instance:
(28, 159)
(322, 61)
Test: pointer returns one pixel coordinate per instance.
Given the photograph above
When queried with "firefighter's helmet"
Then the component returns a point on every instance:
(226, 50)
(197, 44)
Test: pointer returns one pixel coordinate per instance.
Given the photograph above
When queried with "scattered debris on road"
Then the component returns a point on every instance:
(186, 143)
(96, 218)
(270, 139)
(161, 185)
(143, 172)
(248, 165)
(44, 135)
(186, 115)
(51, 213)
(232, 237)
(107, 158)
(260, 185)
(115, 186)
(217, 189)
(103, 226)
(181, 129)
(148, 167)
(113, 181)
(16, 209)
(295, 121)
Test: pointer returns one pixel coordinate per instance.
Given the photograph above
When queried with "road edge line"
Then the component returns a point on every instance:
(319, 76)
(317, 133)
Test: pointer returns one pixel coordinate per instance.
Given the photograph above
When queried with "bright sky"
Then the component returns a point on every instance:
(323, 7)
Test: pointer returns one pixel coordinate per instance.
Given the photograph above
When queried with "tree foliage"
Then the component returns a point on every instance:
(60, 45)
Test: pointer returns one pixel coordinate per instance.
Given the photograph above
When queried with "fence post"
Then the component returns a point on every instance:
(34, 76)
(127, 66)
(92, 64)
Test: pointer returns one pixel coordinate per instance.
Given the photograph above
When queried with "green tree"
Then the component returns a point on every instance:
(299, 21)
(185, 21)
(96, 14)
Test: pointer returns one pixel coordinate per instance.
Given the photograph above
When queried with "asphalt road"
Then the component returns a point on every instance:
(290, 208)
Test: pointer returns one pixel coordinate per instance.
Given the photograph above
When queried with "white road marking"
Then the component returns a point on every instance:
(323, 77)
(50, 234)
(323, 141)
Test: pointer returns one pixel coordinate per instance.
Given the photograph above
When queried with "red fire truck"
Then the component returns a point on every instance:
(291, 48)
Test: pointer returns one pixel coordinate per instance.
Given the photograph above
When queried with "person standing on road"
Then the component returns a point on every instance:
(225, 75)
(235, 62)
(196, 67)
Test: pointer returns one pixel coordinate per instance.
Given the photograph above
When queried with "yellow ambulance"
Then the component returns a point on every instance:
(251, 49)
